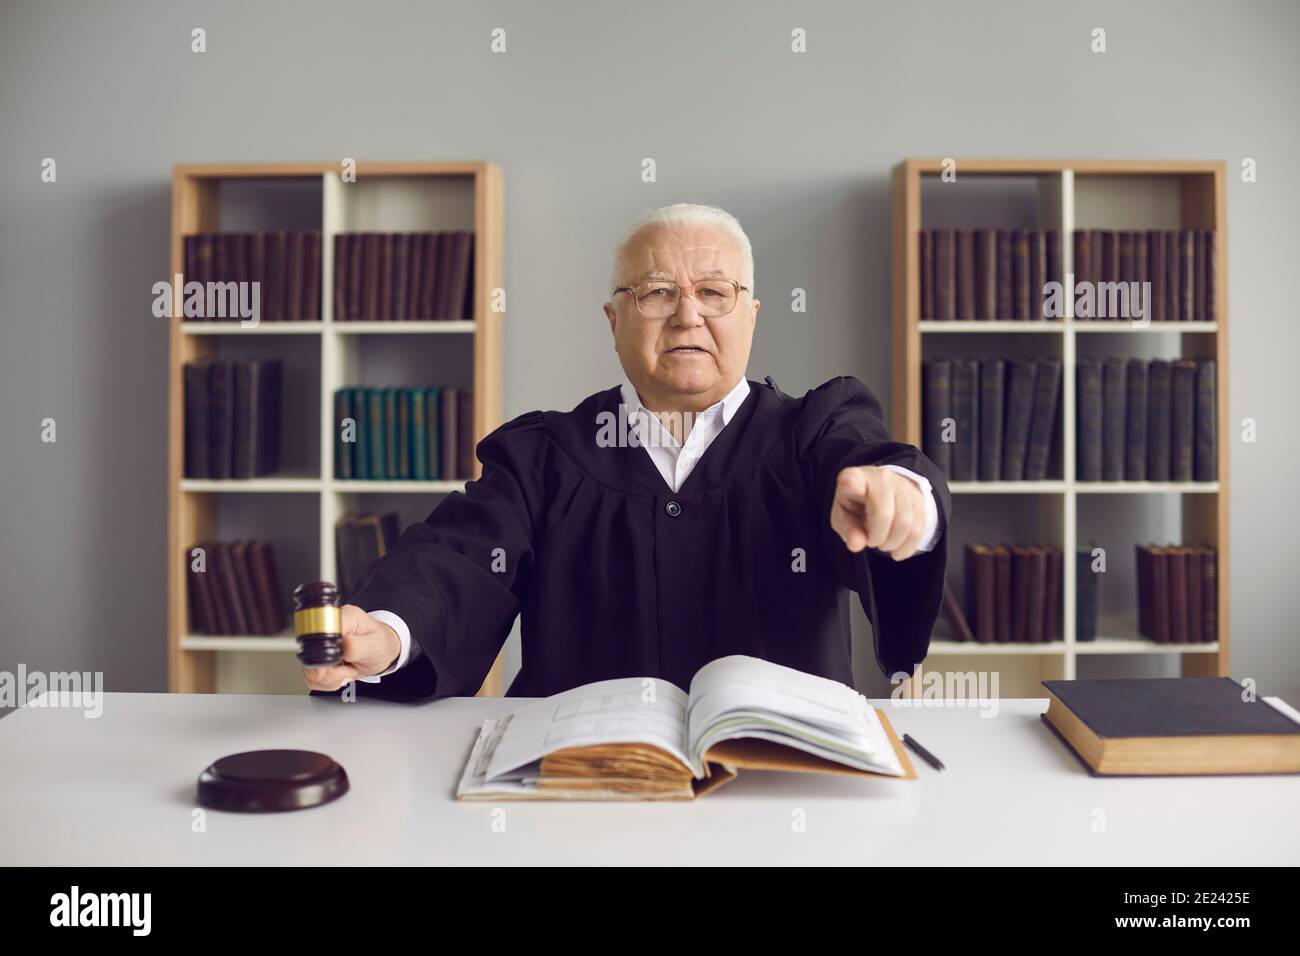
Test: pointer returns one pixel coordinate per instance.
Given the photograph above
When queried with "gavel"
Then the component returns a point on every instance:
(318, 624)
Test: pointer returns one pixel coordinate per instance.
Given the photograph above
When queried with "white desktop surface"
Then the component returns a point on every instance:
(120, 790)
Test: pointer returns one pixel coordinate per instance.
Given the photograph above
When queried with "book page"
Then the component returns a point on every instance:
(606, 712)
(741, 696)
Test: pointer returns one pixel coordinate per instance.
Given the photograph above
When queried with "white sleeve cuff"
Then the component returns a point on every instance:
(403, 637)
(931, 507)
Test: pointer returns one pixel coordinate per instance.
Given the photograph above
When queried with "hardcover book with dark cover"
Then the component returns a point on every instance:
(1178, 725)
(992, 393)
(965, 408)
(1088, 373)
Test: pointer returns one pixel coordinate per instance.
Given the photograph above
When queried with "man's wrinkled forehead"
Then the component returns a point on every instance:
(658, 256)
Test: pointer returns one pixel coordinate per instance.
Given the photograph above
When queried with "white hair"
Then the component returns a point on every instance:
(686, 214)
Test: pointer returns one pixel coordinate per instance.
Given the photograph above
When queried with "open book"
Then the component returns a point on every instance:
(646, 739)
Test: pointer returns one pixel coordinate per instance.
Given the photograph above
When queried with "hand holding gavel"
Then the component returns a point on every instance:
(336, 645)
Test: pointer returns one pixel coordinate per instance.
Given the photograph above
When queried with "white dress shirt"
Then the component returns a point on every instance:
(675, 462)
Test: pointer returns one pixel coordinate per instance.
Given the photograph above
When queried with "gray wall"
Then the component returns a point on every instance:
(798, 146)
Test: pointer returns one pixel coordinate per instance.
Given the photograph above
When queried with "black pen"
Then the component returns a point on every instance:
(924, 754)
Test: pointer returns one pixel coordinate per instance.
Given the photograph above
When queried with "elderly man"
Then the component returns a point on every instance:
(682, 516)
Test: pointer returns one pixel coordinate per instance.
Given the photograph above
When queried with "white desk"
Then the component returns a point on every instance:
(120, 789)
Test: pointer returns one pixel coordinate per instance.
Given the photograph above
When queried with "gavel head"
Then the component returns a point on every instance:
(318, 624)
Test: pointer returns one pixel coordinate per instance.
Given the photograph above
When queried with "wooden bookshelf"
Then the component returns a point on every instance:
(1066, 195)
(386, 197)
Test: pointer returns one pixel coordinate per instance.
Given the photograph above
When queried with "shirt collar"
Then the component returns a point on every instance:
(730, 403)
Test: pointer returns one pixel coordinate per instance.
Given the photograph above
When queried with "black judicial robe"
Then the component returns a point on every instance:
(616, 575)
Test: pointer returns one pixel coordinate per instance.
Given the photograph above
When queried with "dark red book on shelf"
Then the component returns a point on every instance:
(342, 259)
(446, 276)
(384, 310)
(191, 259)
(1097, 256)
(1083, 267)
(244, 581)
(1112, 268)
(1020, 274)
(1021, 593)
(1156, 269)
(1173, 278)
(220, 259)
(203, 616)
(1159, 606)
(965, 307)
(981, 592)
(372, 245)
(1142, 261)
(1187, 275)
(356, 277)
(926, 266)
(945, 275)
(1142, 567)
(418, 245)
(1178, 624)
(1195, 606)
(220, 557)
(218, 617)
(1209, 281)
(401, 276)
(430, 275)
(293, 269)
(1037, 273)
(256, 271)
(273, 276)
(1127, 270)
(461, 275)
(1004, 604)
(311, 277)
(266, 585)
(986, 274)
(1055, 262)
(1209, 594)
(1006, 274)
(1052, 601)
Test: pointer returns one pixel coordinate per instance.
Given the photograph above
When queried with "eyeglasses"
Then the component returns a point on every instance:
(659, 298)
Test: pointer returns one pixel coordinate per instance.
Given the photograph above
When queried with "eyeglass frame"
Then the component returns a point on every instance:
(739, 288)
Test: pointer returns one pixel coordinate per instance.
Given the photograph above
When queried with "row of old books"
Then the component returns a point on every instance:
(1178, 596)
(422, 433)
(1180, 266)
(398, 277)
(990, 419)
(359, 541)
(1147, 420)
(232, 417)
(985, 274)
(284, 265)
(234, 589)
(1013, 595)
